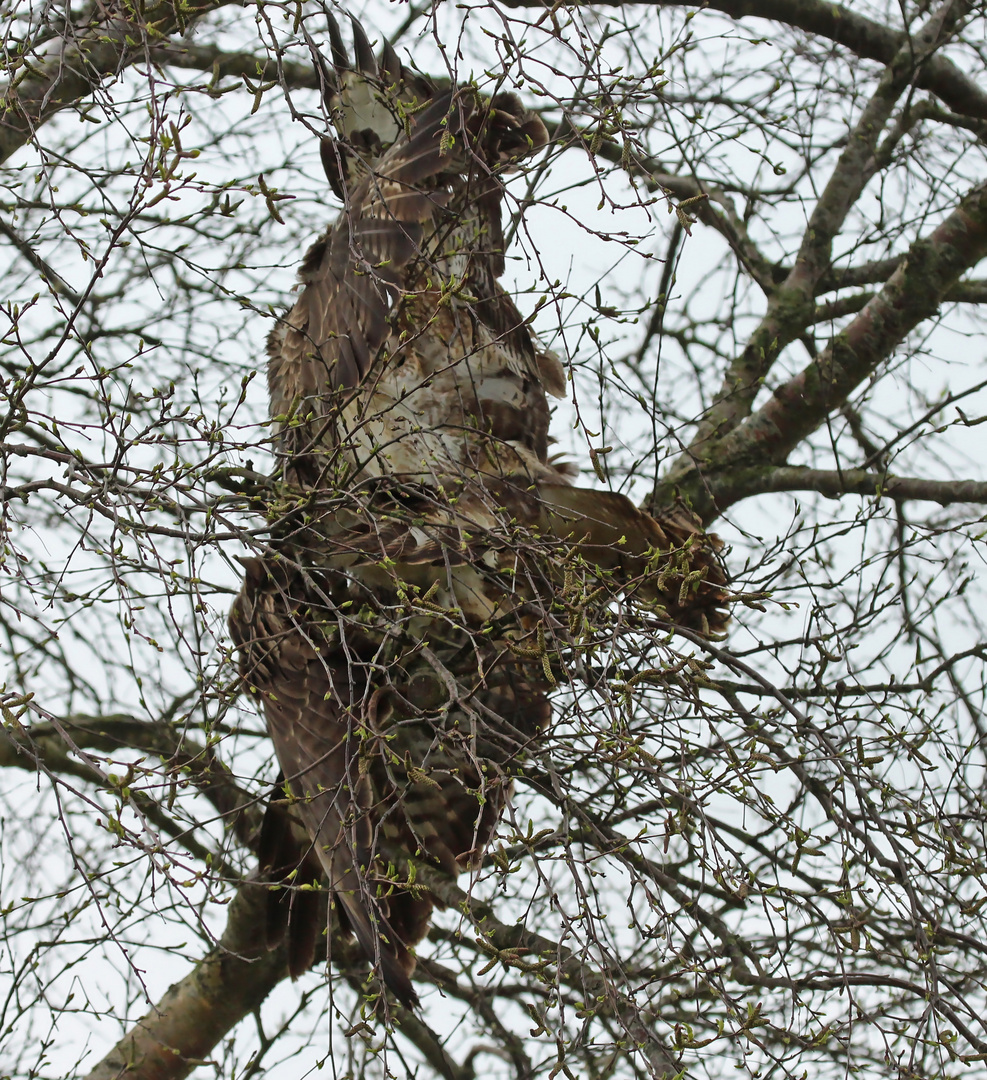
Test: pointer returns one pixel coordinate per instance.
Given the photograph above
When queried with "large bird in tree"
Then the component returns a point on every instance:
(431, 568)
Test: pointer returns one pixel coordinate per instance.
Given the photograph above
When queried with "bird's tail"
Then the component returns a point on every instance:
(296, 905)
(296, 910)
(381, 942)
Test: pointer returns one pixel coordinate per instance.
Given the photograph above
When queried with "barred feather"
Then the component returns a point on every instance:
(393, 633)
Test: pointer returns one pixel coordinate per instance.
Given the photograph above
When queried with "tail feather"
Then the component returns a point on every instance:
(296, 910)
(390, 956)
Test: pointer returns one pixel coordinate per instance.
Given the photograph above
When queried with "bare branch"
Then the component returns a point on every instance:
(914, 293)
(223, 65)
(790, 306)
(186, 759)
(745, 483)
(839, 23)
(178, 1033)
(73, 66)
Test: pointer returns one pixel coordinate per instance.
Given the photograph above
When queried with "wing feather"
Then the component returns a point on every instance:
(303, 683)
(353, 276)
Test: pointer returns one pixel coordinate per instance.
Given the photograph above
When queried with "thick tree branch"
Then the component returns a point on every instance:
(187, 761)
(224, 65)
(744, 483)
(790, 307)
(913, 293)
(851, 277)
(73, 65)
(180, 1031)
(964, 292)
(59, 750)
(836, 22)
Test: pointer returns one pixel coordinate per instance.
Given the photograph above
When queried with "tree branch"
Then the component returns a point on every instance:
(73, 65)
(836, 22)
(964, 292)
(790, 307)
(913, 293)
(234, 65)
(43, 747)
(727, 221)
(743, 483)
(181, 1030)
(194, 763)
(509, 943)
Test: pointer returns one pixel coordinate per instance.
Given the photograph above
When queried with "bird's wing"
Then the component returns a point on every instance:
(431, 203)
(353, 275)
(303, 682)
(667, 557)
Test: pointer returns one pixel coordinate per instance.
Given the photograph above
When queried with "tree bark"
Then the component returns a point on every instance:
(71, 66)
(913, 294)
(177, 1034)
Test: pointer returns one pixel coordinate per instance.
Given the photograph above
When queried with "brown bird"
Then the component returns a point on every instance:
(406, 624)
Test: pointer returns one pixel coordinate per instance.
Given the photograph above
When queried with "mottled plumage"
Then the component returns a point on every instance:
(399, 630)
(401, 333)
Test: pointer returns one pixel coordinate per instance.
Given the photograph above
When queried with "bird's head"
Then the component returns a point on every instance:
(372, 100)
